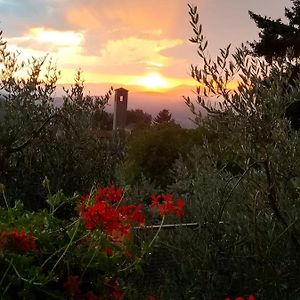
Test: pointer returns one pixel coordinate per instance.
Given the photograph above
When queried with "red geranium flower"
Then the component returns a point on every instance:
(109, 194)
(166, 205)
(106, 212)
(108, 215)
(72, 286)
(17, 240)
(251, 297)
(155, 200)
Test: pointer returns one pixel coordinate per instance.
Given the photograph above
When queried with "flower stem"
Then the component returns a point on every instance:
(67, 248)
(158, 231)
(6, 271)
(5, 200)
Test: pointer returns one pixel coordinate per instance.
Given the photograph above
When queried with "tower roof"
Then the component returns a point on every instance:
(121, 89)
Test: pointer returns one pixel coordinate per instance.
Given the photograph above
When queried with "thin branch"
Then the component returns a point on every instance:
(233, 189)
(168, 226)
(272, 193)
(34, 134)
(272, 196)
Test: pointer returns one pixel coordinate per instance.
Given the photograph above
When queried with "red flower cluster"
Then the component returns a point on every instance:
(17, 240)
(166, 205)
(251, 297)
(109, 194)
(107, 213)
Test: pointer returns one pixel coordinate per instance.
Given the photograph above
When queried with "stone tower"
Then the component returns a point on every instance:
(120, 108)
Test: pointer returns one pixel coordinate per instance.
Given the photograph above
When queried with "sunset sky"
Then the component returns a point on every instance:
(141, 45)
(127, 42)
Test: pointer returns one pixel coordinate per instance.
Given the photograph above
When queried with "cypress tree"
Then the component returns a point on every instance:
(277, 37)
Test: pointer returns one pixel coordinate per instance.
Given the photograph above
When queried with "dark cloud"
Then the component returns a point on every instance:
(18, 16)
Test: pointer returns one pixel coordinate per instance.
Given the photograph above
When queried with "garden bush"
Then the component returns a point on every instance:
(240, 179)
(151, 153)
(39, 138)
(88, 256)
(242, 185)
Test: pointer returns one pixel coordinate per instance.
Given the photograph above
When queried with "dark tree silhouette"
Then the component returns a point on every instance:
(277, 37)
(164, 116)
(138, 118)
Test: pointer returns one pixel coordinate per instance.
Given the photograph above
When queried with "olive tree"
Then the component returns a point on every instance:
(242, 182)
(39, 139)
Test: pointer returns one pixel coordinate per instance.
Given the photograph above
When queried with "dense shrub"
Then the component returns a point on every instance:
(242, 183)
(152, 152)
(37, 138)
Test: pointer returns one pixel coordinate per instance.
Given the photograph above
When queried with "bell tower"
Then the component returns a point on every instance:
(120, 108)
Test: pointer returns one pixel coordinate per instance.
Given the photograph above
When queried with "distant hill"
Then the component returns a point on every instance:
(149, 101)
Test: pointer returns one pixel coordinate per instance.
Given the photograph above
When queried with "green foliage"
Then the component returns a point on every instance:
(45, 256)
(239, 247)
(239, 170)
(242, 183)
(152, 152)
(138, 119)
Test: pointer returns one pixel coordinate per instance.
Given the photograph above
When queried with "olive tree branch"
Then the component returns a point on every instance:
(34, 134)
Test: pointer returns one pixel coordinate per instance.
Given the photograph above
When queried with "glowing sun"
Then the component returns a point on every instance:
(154, 81)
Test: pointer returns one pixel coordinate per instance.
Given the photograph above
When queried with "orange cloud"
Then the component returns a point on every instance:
(151, 17)
(134, 50)
(115, 61)
(83, 17)
(111, 40)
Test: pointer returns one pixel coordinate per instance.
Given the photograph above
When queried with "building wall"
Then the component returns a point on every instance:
(120, 108)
